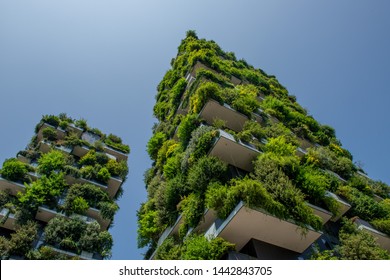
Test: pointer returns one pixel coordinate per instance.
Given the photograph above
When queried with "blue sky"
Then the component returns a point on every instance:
(102, 60)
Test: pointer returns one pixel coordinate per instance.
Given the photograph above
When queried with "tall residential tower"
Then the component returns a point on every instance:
(57, 197)
(241, 171)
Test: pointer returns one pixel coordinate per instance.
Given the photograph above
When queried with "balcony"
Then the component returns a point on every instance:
(83, 256)
(245, 223)
(13, 187)
(301, 152)
(74, 129)
(208, 219)
(80, 151)
(45, 214)
(96, 215)
(235, 153)
(46, 147)
(343, 205)
(212, 110)
(60, 133)
(115, 153)
(321, 212)
(382, 239)
(10, 220)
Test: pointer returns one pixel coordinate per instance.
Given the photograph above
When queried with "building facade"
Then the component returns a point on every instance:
(58, 195)
(241, 171)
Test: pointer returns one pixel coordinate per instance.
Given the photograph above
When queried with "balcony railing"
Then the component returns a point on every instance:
(12, 187)
(45, 214)
(233, 119)
(45, 147)
(343, 205)
(8, 219)
(245, 223)
(236, 153)
(321, 212)
(381, 238)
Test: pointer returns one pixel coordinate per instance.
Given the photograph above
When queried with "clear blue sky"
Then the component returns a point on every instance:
(102, 60)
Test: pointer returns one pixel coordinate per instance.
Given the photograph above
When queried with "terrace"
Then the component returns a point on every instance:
(245, 223)
(236, 153)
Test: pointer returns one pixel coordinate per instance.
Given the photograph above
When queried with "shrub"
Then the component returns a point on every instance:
(21, 241)
(114, 138)
(14, 170)
(49, 133)
(108, 209)
(89, 158)
(200, 143)
(51, 119)
(383, 225)
(103, 175)
(187, 125)
(43, 191)
(362, 205)
(52, 161)
(79, 205)
(192, 208)
(200, 248)
(117, 168)
(64, 124)
(203, 93)
(148, 229)
(155, 144)
(81, 123)
(205, 171)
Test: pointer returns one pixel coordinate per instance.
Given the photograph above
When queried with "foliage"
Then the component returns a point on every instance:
(187, 125)
(117, 168)
(359, 245)
(148, 230)
(224, 198)
(203, 93)
(43, 191)
(21, 241)
(192, 208)
(205, 171)
(117, 146)
(14, 170)
(243, 99)
(323, 157)
(200, 143)
(155, 144)
(89, 158)
(51, 119)
(200, 248)
(81, 123)
(49, 133)
(103, 175)
(76, 236)
(168, 250)
(362, 205)
(383, 225)
(282, 190)
(80, 197)
(52, 161)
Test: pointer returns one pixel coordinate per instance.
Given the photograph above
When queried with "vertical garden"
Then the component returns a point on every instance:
(58, 196)
(228, 135)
